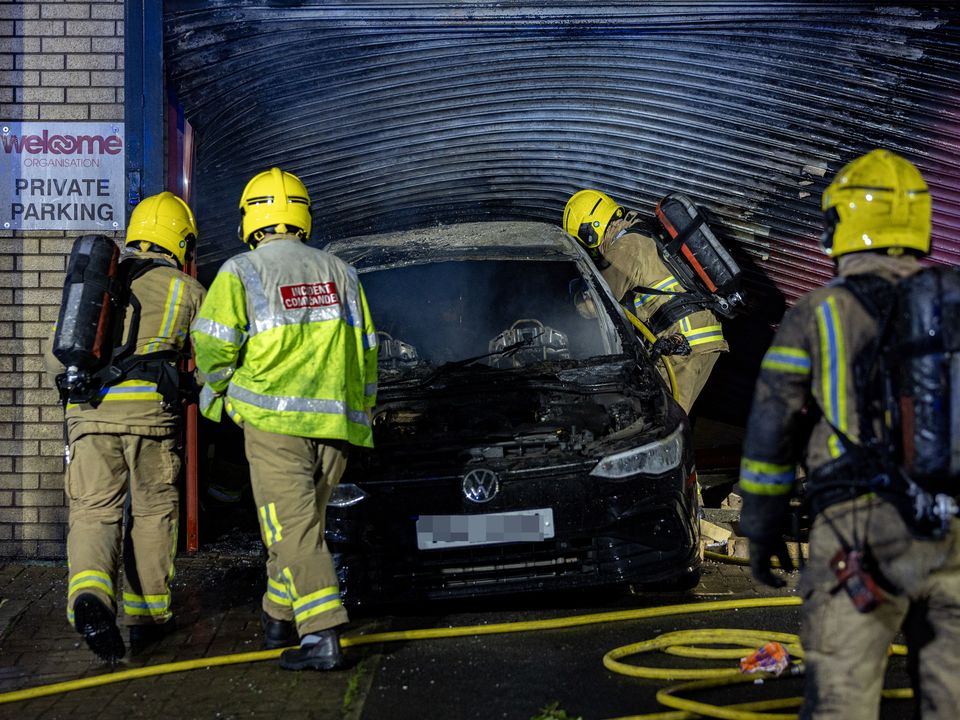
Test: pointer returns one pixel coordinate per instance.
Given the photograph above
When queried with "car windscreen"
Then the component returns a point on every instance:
(518, 312)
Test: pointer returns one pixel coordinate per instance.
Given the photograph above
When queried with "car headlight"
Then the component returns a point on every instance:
(346, 495)
(653, 458)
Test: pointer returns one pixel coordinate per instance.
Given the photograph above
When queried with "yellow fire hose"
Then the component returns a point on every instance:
(648, 334)
(743, 642)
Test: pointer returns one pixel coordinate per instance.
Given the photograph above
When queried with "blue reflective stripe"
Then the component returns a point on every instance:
(144, 605)
(299, 610)
(670, 284)
(834, 385)
(834, 390)
(270, 527)
(172, 309)
(122, 389)
(86, 580)
(271, 590)
(703, 335)
(267, 516)
(767, 473)
(775, 360)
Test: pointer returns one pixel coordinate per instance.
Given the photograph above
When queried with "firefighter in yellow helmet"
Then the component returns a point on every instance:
(884, 550)
(287, 347)
(627, 257)
(123, 442)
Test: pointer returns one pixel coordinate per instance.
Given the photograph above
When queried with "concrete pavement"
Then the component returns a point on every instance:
(217, 609)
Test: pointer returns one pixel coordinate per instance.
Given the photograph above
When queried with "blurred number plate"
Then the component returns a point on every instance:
(446, 531)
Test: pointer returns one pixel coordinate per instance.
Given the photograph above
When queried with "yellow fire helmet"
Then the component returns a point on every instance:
(877, 202)
(587, 214)
(274, 200)
(163, 220)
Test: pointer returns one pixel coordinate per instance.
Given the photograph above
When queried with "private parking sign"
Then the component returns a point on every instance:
(61, 176)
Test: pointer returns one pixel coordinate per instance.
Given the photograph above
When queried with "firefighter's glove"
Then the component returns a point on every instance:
(762, 554)
(189, 387)
(670, 345)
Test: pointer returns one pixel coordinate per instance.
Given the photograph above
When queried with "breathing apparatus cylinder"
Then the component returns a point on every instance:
(84, 338)
(927, 332)
(692, 250)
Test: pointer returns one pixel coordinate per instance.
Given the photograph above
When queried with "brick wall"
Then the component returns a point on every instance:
(58, 61)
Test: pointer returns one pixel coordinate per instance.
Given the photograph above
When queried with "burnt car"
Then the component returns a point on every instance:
(523, 441)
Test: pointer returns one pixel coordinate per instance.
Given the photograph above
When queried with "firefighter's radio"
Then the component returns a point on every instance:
(852, 576)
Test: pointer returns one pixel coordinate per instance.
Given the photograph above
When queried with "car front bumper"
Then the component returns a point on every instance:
(638, 530)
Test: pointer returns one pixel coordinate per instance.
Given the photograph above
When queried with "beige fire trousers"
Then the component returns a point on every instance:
(846, 651)
(292, 478)
(692, 372)
(104, 468)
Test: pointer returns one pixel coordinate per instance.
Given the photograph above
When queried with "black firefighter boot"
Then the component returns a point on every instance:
(278, 633)
(318, 651)
(98, 625)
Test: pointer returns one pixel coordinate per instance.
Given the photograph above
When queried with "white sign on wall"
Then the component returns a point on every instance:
(62, 176)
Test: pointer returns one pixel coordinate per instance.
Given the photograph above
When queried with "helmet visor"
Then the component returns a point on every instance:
(831, 219)
(587, 234)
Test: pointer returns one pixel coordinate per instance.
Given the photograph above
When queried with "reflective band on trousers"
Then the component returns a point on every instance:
(146, 605)
(315, 603)
(88, 580)
(91, 579)
(295, 404)
(277, 592)
(306, 606)
(270, 523)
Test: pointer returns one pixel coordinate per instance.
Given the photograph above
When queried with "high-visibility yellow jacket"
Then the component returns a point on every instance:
(286, 338)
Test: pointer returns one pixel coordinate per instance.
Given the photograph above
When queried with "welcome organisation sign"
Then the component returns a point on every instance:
(62, 176)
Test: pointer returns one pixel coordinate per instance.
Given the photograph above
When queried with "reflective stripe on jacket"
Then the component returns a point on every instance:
(286, 337)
